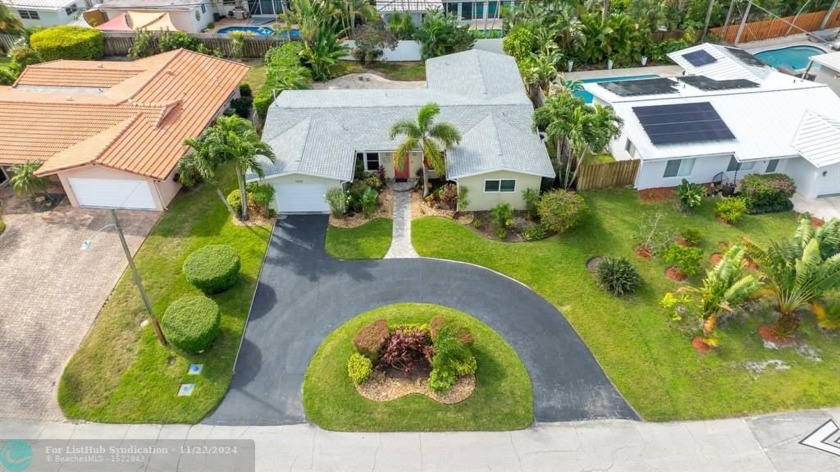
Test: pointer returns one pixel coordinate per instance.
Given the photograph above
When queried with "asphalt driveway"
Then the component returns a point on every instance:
(304, 294)
(50, 293)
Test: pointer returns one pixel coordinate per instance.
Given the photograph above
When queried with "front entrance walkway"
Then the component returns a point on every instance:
(401, 247)
(50, 293)
(824, 208)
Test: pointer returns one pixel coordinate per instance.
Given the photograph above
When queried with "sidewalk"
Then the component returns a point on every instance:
(768, 443)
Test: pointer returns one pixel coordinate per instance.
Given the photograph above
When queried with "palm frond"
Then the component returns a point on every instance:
(406, 128)
(445, 133)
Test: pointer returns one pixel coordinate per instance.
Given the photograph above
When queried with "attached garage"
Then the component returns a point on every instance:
(301, 198)
(130, 194)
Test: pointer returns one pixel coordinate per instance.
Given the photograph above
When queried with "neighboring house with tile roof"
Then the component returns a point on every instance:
(727, 117)
(319, 136)
(48, 12)
(113, 132)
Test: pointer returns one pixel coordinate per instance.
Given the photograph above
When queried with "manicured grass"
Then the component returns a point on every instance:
(599, 159)
(502, 399)
(121, 374)
(369, 241)
(408, 71)
(648, 358)
(256, 75)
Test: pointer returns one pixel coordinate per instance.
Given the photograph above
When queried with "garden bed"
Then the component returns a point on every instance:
(502, 385)
(383, 387)
(354, 220)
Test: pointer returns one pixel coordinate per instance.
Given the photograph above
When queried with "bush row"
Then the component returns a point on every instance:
(283, 71)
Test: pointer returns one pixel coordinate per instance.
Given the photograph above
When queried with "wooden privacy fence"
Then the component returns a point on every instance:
(117, 43)
(607, 175)
(778, 27)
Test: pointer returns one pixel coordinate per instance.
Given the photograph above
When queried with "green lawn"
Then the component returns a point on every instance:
(502, 399)
(256, 75)
(651, 361)
(369, 241)
(409, 71)
(121, 374)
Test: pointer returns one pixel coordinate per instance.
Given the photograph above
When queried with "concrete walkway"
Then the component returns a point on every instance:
(824, 208)
(401, 247)
(759, 444)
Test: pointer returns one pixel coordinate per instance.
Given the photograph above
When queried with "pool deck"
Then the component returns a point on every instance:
(776, 43)
(665, 71)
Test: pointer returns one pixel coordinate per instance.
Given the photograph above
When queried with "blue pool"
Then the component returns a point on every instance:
(260, 30)
(795, 57)
(587, 97)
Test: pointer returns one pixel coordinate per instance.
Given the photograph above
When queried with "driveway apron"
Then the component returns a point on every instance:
(304, 294)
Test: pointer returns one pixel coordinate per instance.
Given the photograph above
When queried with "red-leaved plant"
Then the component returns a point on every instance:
(407, 348)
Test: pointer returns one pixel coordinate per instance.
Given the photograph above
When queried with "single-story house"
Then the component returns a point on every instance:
(739, 117)
(318, 136)
(48, 13)
(191, 16)
(826, 70)
(112, 132)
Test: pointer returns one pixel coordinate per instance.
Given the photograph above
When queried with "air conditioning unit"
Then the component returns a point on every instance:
(240, 14)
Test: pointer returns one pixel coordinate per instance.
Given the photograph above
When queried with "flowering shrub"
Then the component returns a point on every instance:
(767, 193)
(560, 210)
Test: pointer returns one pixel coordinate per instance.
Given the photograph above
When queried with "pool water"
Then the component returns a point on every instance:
(259, 30)
(587, 97)
(795, 57)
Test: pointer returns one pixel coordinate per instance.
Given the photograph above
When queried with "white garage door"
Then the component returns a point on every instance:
(301, 198)
(113, 193)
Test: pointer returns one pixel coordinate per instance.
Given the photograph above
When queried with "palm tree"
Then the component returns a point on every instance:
(9, 22)
(231, 140)
(323, 52)
(25, 182)
(539, 71)
(725, 286)
(432, 139)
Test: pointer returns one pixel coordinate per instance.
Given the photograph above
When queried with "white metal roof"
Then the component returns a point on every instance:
(764, 120)
(726, 66)
(830, 60)
(818, 139)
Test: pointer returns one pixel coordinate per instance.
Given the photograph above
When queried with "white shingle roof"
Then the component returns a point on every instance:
(317, 132)
(818, 139)
(726, 65)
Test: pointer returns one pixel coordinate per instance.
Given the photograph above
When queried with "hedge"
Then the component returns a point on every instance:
(213, 268)
(371, 339)
(191, 323)
(767, 193)
(283, 71)
(68, 42)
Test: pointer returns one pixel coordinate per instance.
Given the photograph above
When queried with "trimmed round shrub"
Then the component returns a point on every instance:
(213, 268)
(618, 276)
(68, 42)
(371, 340)
(561, 210)
(359, 368)
(191, 323)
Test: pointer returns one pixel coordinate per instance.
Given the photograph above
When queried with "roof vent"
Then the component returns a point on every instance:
(99, 66)
(170, 71)
(69, 98)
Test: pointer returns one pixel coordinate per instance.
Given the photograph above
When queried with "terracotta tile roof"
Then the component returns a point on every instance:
(137, 124)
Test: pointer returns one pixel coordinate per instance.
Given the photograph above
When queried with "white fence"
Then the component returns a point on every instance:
(409, 50)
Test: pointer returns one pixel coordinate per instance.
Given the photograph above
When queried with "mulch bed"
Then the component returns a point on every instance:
(674, 274)
(770, 335)
(643, 252)
(354, 220)
(715, 258)
(420, 208)
(381, 387)
(653, 195)
(593, 263)
(700, 345)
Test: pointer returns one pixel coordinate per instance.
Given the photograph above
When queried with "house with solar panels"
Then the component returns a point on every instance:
(728, 115)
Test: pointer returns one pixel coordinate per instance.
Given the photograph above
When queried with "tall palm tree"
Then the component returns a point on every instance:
(432, 138)
(323, 52)
(9, 22)
(232, 140)
(25, 182)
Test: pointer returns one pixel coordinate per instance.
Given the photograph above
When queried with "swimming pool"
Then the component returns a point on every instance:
(587, 97)
(260, 30)
(795, 57)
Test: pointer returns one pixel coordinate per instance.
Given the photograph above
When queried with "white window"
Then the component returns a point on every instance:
(735, 165)
(679, 167)
(203, 9)
(500, 185)
(772, 164)
(29, 14)
(630, 148)
(370, 160)
(71, 9)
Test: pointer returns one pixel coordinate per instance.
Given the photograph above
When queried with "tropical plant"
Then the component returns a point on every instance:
(143, 45)
(371, 40)
(796, 274)
(9, 22)
(520, 43)
(463, 199)
(539, 70)
(501, 216)
(827, 311)
(618, 276)
(283, 71)
(22, 56)
(431, 138)
(262, 194)
(691, 236)
(370, 200)
(442, 33)
(402, 25)
(725, 286)
(452, 359)
(690, 195)
(532, 200)
(7, 76)
(237, 44)
(172, 40)
(323, 52)
(25, 182)
(731, 209)
(561, 210)
(685, 259)
(337, 200)
(407, 347)
(827, 235)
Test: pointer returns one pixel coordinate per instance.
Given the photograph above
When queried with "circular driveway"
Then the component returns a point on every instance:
(303, 294)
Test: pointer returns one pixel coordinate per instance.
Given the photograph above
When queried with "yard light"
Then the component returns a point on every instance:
(87, 243)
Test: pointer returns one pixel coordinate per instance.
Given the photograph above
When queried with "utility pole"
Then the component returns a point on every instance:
(708, 19)
(137, 280)
(743, 23)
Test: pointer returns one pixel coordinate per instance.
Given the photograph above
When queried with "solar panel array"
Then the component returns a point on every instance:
(746, 57)
(708, 84)
(699, 58)
(682, 123)
(634, 88)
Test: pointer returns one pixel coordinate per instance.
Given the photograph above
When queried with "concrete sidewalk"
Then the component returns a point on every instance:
(768, 443)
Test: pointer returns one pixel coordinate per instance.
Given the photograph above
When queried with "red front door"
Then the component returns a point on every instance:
(403, 172)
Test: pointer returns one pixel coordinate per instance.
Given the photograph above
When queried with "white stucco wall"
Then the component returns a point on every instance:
(651, 173)
(185, 20)
(46, 19)
(405, 51)
(490, 45)
(824, 75)
(479, 200)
